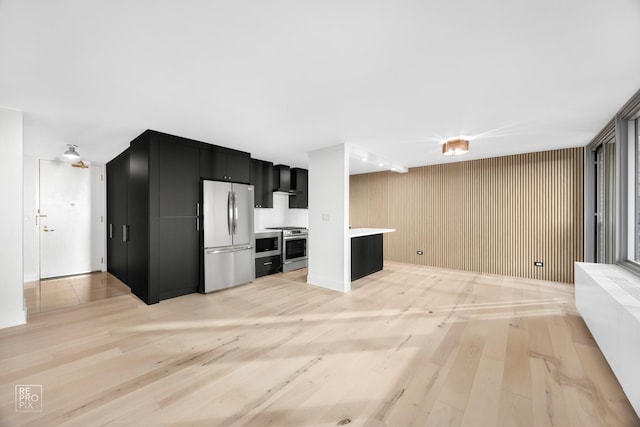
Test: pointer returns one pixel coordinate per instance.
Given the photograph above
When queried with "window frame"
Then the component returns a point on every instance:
(626, 199)
(620, 162)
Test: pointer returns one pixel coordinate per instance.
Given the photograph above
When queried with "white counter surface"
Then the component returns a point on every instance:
(359, 232)
(264, 230)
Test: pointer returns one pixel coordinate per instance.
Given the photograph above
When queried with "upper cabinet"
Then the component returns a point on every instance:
(179, 178)
(262, 181)
(225, 164)
(299, 184)
(282, 178)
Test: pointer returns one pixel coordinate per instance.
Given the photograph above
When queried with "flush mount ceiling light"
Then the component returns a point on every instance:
(71, 152)
(455, 147)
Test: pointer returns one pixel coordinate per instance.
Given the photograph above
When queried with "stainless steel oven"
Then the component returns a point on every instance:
(294, 249)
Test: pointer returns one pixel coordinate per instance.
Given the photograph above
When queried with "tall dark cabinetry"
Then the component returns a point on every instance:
(163, 216)
(178, 225)
(117, 179)
(153, 202)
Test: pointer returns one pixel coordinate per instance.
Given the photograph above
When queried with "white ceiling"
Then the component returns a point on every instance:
(280, 78)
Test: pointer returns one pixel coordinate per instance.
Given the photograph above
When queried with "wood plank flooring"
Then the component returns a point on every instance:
(409, 346)
(53, 294)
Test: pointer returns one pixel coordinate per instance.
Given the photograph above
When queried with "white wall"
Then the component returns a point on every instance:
(98, 216)
(12, 308)
(329, 242)
(280, 215)
(30, 227)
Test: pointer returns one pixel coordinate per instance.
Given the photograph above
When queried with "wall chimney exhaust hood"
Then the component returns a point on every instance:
(282, 180)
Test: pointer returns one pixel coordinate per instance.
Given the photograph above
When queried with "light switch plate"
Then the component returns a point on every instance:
(326, 217)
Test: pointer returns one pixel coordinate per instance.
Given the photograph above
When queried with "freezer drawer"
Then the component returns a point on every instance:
(227, 267)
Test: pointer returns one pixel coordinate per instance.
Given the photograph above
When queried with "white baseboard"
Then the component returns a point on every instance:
(326, 283)
(15, 318)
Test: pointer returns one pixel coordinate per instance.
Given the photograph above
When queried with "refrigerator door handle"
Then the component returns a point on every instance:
(229, 212)
(235, 212)
(234, 249)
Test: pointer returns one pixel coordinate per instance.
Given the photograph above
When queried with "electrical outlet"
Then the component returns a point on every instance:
(420, 253)
(538, 263)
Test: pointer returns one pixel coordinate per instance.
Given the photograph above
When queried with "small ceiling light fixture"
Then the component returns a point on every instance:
(455, 147)
(71, 152)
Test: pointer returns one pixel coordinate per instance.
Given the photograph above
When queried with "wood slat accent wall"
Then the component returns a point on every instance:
(493, 216)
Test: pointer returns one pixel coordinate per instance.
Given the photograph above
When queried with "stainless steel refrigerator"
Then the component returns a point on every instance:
(227, 211)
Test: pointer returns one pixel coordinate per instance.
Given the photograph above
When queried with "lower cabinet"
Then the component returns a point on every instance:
(179, 257)
(268, 265)
(366, 255)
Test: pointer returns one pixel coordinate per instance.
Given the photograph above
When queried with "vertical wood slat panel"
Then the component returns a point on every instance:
(494, 216)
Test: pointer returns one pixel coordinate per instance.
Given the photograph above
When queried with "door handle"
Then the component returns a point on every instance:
(111, 231)
(235, 212)
(229, 212)
(267, 263)
(198, 216)
(236, 249)
(125, 233)
(46, 229)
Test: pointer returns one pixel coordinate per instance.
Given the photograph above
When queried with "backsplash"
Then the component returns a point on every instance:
(280, 215)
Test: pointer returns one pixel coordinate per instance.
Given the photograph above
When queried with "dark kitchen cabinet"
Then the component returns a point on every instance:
(153, 194)
(178, 177)
(140, 244)
(178, 184)
(117, 183)
(366, 255)
(282, 178)
(262, 181)
(268, 265)
(225, 164)
(299, 184)
(163, 235)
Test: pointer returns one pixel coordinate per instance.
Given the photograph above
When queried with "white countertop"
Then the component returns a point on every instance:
(359, 232)
(263, 230)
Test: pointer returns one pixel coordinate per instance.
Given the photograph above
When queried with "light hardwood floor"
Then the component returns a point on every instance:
(409, 346)
(53, 294)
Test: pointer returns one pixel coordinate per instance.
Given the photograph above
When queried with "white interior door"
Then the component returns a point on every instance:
(71, 228)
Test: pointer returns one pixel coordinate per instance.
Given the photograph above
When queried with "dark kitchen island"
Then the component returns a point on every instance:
(366, 251)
